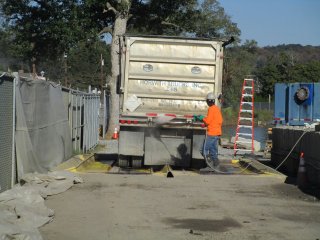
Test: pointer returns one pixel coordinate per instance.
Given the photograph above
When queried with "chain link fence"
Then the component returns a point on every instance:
(264, 106)
(79, 109)
(83, 114)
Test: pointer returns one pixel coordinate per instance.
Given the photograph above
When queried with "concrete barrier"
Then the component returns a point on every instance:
(285, 139)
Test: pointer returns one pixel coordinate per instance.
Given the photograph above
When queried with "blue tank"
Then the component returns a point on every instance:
(280, 110)
(297, 103)
(316, 102)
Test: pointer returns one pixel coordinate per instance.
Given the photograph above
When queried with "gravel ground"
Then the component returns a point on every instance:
(188, 206)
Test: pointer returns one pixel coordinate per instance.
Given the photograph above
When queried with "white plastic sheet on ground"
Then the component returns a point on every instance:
(22, 208)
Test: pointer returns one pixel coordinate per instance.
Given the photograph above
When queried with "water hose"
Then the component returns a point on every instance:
(291, 150)
(169, 173)
(215, 169)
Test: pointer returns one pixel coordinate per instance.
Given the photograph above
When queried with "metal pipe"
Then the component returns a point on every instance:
(96, 130)
(91, 122)
(88, 123)
(72, 130)
(69, 112)
(104, 115)
(84, 147)
(231, 40)
(13, 176)
(98, 119)
(88, 120)
(94, 121)
(75, 91)
(76, 125)
(85, 123)
(80, 118)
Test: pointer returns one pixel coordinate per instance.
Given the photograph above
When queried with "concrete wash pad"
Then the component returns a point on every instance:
(188, 206)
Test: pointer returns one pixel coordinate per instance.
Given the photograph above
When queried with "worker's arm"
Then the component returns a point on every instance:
(214, 116)
(209, 117)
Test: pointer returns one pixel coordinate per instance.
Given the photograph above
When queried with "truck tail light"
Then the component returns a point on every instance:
(170, 115)
(203, 125)
(122, 121)
(152, 114)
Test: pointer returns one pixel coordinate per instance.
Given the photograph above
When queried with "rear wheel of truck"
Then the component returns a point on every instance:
(123, 161)
(136, 162)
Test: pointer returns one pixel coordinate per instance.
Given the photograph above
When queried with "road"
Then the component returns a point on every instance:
(188, 206)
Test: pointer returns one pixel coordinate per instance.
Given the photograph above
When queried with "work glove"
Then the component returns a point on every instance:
(195, 117)
(198, 117)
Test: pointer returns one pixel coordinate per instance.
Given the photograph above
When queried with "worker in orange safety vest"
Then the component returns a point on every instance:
(213, 121)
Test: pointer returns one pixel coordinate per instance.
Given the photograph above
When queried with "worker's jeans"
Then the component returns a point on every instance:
(210, 147)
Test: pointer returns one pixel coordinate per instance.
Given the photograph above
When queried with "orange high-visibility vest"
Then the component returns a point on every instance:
(214, 120)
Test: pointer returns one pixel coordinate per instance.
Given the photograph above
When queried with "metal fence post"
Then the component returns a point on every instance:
(13, 179)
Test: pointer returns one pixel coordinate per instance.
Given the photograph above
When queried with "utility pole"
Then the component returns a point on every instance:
(65, 69)
(101, 80)
(269, 102)
(34, 72)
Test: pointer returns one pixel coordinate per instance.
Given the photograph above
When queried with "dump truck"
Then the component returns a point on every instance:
(164, 82)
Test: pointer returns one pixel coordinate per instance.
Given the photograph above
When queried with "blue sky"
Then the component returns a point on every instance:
(274, 22)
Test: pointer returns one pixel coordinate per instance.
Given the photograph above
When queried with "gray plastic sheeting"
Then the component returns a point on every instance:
(43, 138)
(22, 209)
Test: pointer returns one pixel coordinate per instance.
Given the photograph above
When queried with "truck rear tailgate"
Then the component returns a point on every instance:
(169, 75)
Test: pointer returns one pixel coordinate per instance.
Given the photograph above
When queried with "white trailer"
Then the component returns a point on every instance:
(164, 81)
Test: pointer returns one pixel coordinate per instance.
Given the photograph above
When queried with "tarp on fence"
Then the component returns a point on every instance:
(7, 159)
(43, 138)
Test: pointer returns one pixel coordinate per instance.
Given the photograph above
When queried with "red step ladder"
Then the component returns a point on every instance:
(245, 126)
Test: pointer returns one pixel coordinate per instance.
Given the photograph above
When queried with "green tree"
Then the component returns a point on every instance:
(44, 30)
(181, 17)
(308, 72)
(161, 17)
(267, 77)
(284, 67)
(239, 63)
(212, 21)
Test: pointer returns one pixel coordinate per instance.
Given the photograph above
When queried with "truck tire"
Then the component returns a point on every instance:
(123, 161)
(136, 162)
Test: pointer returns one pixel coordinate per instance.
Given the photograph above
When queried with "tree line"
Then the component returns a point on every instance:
(67, 39)
(269, 65)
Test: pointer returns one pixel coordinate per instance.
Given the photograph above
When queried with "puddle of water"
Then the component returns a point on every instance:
(221, 225)
(260, 133)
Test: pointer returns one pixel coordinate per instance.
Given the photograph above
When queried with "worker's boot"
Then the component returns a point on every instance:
(216, 163)
(209, 162)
